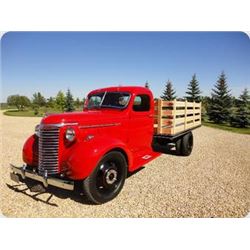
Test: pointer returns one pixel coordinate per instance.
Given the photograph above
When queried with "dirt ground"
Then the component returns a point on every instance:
(213, 182)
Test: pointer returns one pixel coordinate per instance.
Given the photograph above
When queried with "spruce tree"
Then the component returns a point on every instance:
(77, 103)
(50, 102)
(193, 90)
(69, 102)
(169, 92)
(241, 117)
(219, 108)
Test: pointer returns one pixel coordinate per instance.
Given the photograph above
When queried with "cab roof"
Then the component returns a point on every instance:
(130, 89)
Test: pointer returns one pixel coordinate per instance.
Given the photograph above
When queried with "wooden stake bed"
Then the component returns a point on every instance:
(172, 117)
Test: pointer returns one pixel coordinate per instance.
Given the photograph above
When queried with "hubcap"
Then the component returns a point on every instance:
(108, 178)
(111, 176)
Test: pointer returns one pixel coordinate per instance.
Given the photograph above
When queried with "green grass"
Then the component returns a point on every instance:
(227, 127)
(31, 113)
(25, 113)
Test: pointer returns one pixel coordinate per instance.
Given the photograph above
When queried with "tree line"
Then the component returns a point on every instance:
(61, 102)
(221, 107)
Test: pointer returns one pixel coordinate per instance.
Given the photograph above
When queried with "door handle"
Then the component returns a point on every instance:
(150, 116)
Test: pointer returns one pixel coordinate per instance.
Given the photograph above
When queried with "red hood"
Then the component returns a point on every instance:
(85, 117)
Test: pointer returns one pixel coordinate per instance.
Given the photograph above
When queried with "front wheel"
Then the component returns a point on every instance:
(107, 179)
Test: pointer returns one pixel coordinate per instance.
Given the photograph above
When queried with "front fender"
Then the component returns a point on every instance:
(85, 155)
(30, 151)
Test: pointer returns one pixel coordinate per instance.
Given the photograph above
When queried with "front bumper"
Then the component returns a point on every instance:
(26, 173)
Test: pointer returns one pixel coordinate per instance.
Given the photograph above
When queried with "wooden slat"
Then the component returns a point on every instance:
(197, 104)
(193, 124)
(190, 111)
(191, 118)
(166, 112)
(189, 125)
(166, 122)
(167, 131)
(171, 113)
(179, 129)
(180, 104)
(190, 104)
(179, 120)
(167, 103)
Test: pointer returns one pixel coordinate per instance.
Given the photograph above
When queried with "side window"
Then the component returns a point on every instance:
(141, 103)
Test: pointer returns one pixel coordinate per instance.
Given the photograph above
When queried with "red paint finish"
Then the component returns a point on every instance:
(99, 131)
(30, 151)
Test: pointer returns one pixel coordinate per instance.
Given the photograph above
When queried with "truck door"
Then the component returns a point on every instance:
(141, 124)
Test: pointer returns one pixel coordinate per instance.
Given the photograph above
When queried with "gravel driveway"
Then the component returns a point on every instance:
(213, 182)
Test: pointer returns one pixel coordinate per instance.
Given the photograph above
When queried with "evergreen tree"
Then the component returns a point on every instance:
(193, 90)
(50, 102)
(220, 104)
(169, 92)
(77, 103)
(69, 102)
(60, 100)
(204, 107)
(241, 118)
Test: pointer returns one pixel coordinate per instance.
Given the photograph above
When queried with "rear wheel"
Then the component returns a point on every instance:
(187, 144)
(184, 145)
(107, 179)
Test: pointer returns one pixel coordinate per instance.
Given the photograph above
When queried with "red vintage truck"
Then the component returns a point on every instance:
(119, 130)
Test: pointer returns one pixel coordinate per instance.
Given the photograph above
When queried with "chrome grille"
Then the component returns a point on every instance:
(48, 150)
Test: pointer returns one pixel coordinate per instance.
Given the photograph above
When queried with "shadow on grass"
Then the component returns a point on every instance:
(37, 189)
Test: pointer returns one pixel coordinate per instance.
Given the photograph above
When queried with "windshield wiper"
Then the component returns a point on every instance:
(103, 98)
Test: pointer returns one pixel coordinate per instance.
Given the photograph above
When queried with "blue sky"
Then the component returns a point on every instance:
(82, 61)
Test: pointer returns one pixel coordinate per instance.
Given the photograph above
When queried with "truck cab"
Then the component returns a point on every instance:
(113, 135)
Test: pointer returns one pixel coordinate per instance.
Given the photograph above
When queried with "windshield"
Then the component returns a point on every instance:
(117, 100)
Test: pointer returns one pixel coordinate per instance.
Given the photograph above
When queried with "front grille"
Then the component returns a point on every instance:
(48, 150)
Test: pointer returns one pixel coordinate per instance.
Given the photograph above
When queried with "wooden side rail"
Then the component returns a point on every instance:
(171, 117)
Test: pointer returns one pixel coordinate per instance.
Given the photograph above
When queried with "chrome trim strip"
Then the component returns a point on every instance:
(58, 125)
(100, 125)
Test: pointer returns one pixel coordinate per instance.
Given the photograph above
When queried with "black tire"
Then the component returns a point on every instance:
(184, 145)
(107, 179)
(178, 144)
(187, 144)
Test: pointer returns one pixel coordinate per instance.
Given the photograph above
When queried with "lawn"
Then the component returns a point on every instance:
(28, 113)
(31, 113)
(227, 127)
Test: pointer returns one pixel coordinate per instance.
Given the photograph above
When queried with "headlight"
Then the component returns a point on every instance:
(37, 130)
(70, 134)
